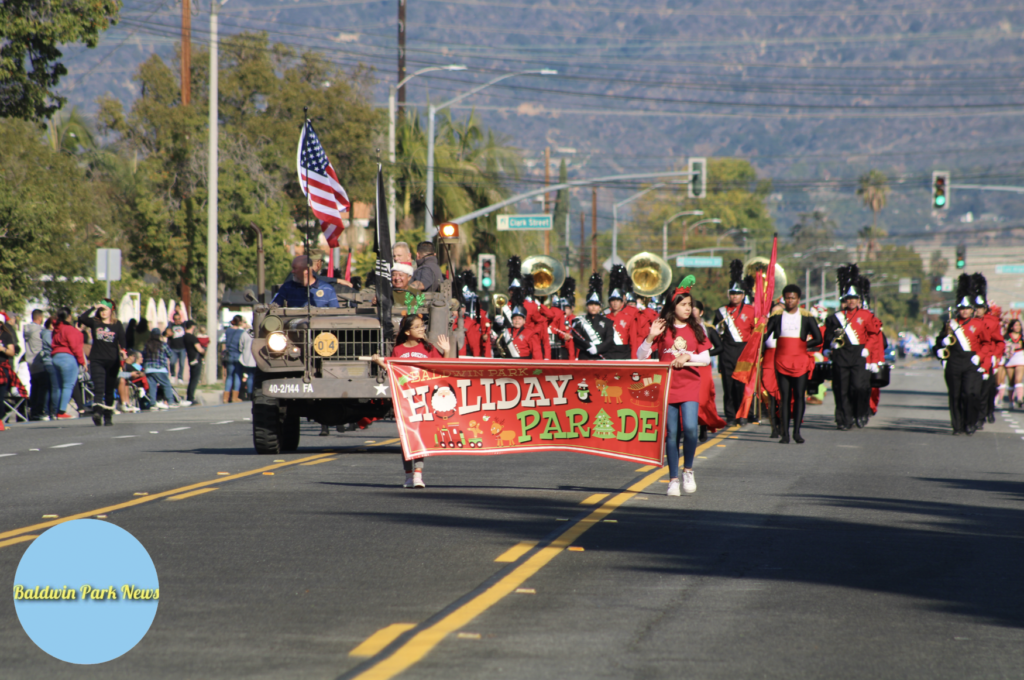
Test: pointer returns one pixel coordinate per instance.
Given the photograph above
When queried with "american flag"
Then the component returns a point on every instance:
(326, 196)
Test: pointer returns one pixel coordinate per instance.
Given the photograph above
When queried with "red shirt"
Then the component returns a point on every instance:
(68, 340)
(418, 351)
(685, 384)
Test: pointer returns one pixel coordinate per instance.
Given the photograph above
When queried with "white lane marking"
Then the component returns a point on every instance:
(33, 449)
(7, 454)
(1019, 431)
(154, 431)
(124, 436)
(223, 422)
(246, 418)
(64, 446)
(178, 429)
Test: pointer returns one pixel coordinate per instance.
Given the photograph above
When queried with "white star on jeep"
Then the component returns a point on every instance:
(381, 389)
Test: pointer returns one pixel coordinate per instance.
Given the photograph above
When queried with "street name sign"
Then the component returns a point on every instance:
(709, 262)
(1010, 269)
(524, 223)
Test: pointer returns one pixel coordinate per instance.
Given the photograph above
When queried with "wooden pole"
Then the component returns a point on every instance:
(186, 53)
(583, 242)
(593, 232)
(547, 200)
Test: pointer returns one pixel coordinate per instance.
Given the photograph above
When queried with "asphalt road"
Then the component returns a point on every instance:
(896, 551)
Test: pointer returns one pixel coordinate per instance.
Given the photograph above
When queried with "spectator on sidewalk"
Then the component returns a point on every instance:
(68, 360)
(38, 380)
(8, 349)
(232, 354)
(246, 360)
(51, 395)
(176, 343)
(108, 350)
(156, 361)
(194, 352)
(131, 373)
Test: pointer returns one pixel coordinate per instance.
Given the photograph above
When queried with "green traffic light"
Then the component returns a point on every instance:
(940, 201)
(487, 282)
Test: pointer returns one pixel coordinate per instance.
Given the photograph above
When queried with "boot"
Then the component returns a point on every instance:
(1018, 393)
(234, 396)
(108, 417)
(97, 415)
(796, 435)
(324, 430)
(226, 399)
(703, 435)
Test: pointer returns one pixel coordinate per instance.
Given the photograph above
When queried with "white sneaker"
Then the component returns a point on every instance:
(185, 402)
(174, 405)
(417, 480)
(408, 481)
(689, 485)
(673, 488)
(161, 405)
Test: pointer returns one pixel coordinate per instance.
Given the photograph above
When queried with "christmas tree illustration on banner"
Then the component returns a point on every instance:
(603, 428)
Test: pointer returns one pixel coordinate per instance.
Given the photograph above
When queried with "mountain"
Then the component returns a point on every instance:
(813, 93)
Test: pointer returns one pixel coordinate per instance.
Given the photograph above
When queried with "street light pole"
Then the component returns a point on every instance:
(664, 229)
(432, 111)
(392, 124)
(212, 306)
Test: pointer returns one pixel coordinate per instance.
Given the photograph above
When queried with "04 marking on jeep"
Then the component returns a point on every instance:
(325, 344)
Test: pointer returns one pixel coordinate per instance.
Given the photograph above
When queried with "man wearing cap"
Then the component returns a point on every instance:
(994, 348)
(593, 334)
(737, 319)
(401, 275)
(845, 340)
(958, 347)
(518, 341)
(303, 286)
(623, 318)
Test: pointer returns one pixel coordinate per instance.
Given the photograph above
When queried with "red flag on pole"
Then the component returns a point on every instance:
(748, 366)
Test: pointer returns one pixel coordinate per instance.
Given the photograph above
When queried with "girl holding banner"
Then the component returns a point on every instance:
(411, 343)
(677, 336)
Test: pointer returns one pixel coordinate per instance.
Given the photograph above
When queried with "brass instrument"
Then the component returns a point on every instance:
(760, 263)
(498, 300)
(650, 274)
(943, 352)
(548, 274)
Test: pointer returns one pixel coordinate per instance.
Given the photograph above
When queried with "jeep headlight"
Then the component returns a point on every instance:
(277, 342)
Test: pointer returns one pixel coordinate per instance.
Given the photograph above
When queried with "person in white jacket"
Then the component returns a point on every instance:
(246, 359)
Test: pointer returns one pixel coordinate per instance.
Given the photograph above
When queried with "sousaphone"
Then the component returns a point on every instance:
(650, 274)
(760, 263)
(548, 274)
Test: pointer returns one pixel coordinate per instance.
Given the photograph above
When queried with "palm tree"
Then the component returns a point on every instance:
(69, 133)
(873, 190)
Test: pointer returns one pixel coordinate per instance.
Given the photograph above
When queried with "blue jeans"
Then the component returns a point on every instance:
(66, 367)
(233, 382)
(52, 405)
(687, 435)
(160, 379)
(178, 359)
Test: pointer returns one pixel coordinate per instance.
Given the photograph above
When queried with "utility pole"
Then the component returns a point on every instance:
(212, 306)
(547, 200)
(186, 100)
(401, 56)
(593, 232)
(583, 243)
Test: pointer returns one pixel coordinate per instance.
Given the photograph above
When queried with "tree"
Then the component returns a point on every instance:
(30, 63)
(873, 189)
(603, 427)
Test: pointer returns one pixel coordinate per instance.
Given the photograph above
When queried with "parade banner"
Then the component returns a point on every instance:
(483, 407)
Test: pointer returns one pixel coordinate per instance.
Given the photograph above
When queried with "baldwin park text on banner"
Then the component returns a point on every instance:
(487, 407)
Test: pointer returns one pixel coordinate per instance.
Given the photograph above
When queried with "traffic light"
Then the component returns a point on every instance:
(961, 256)
(940, 190)
(448, 230)
(698, 185)
(486, 273)
(937, 284)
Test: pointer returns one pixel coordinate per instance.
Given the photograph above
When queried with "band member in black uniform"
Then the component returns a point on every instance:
(593, 334)
(735, 322)
(845, 340)
(957, 346)
(796, 333)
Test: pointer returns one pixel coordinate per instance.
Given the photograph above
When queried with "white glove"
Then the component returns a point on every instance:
(984, 376)
(865, 353)
(873, 368)
(975, 360)
(947, 341)
(592, 349)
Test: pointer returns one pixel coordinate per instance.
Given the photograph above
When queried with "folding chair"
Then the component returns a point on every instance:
(17, 403)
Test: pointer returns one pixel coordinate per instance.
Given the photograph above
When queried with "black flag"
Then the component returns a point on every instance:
(382, 246)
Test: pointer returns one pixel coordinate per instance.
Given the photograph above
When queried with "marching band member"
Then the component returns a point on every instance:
(995, 348)
(958, 345)
(478, 337)
(559, 331)
(876, 350)
(622, 317)
(707, 413)
(1013, 365)
(678, 337)
(519, 341)
(737, 320)
(795, 331)
(769, 383)
(538, 317)
(593, 333)
(846, 333)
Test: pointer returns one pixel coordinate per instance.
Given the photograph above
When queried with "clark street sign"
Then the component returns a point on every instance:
(1010, 269)
(524, 222)
(697, 262)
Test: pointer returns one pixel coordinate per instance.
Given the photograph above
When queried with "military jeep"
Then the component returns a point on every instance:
(315, 363)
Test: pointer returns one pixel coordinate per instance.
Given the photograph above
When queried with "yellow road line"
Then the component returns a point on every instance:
(139, 500)
(594, 500)
(183, 496)
(646, 468)
(381, 639)
(516, 551)
(387, 441)
(424, 641)
(322, 460)
(19, 539)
